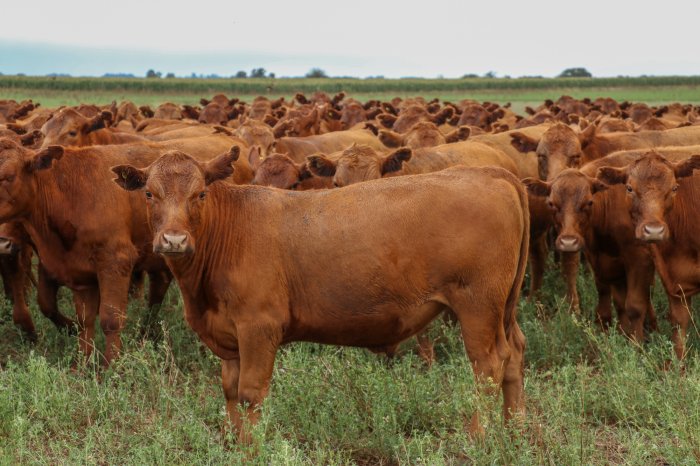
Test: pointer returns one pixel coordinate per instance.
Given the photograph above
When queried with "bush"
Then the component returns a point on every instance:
(575, 73)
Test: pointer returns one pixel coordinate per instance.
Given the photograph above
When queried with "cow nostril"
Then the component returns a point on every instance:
(175, 240)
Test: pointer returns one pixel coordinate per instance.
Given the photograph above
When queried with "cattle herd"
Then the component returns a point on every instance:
(442, 207)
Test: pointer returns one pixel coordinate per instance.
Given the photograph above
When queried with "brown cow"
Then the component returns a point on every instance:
(598, 145)
(299, 148)
(89, 236)
(69, 128)
(411, 115)
(422, 134)
(168, 111)
(360, 163)
(279, 171)
(663, 200)
(400, 266)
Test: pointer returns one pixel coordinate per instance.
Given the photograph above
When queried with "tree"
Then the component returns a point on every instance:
(241, 74)
(153, 74)
(316, 73)
(490, 75)
(170, 75)
(258, 73)
(575, 73)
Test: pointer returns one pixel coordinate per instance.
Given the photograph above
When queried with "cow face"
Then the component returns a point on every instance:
(651, 183)
(17, 168)
(70, 128)
(558, 149)
(175, 189)
(422, 134)
(358, 163)
(279, 171)
(256, 133)
(570, 197)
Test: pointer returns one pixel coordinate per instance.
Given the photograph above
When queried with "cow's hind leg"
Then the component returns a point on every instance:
(481, 320)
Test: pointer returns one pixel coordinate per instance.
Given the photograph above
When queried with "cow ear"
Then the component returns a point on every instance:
(320, 165)
(685, 168)
(537, 187)
(304, 172)
(390, 138)
(523, 142)
(99, 121)
(130, 178)
(586, 136)
(221, 167)
(254, 158)
(612, 175)
(460, 134)
(386, 119)
(44, 158)
(203, 102)
(372, 128)
(30, 138)
(444, 115)
(394, 161)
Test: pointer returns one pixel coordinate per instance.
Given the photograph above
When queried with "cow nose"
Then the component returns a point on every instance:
(568, 244)
(654, 232)
(5, 246)
(173, 243)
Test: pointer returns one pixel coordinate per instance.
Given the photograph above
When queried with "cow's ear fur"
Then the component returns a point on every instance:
(99, 121)
(373, 128)
(394, 161)
(444, 115)
(386, 119)
(44, 158)
(390, 138)
(304, 172)
(523, 142)
(221, 167)
(130, 178)
(612, 175)
(460, 134)
(685, 168)
(320, 165)
(597, 185)
(537, 187)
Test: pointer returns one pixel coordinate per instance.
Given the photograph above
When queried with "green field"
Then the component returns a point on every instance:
(521, 92)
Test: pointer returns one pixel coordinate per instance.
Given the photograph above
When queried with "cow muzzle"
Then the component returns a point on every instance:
(173, 243)
(653, 232)
(568, 243)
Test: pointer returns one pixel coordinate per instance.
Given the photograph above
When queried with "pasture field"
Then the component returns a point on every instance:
(520, 92)
(592, 398)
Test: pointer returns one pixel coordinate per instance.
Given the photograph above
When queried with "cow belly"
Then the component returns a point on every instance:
(373, 328)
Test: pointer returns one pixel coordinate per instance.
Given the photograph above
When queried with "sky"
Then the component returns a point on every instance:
(427, 38)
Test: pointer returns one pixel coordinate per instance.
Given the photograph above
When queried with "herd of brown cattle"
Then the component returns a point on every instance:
(212, 196)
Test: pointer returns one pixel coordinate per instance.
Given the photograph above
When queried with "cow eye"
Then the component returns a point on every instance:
(336, 185)
(149, 195)
(10, 178)
(202, 195)
(675, 188)
(73, 133)
(629, 188)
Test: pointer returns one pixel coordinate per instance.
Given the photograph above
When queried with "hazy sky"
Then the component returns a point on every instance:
(359, 38)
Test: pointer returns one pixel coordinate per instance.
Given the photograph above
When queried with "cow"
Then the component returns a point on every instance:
(70, 128)
(279, 171)
(359, 163)
(342, 273)
(298, 148)
(596, 145)
(423, 134)
(663, 200)
(412, 114)
(89, 234)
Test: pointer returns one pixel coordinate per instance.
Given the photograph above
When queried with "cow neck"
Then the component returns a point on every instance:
(48, 224)
(218, 241)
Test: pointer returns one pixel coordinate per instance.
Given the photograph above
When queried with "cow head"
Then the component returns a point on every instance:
(18, 166)
(358, 163)
(559, 148)
(422, 134)
(279, 171)
(70, 128)
(651, 183)
(570, 197)
(176, 188)
(256, 133)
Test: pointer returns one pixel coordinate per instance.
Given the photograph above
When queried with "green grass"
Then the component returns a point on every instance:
(592, 398)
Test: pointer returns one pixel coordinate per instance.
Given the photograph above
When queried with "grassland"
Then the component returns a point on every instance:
(521, 92)
(592, 398)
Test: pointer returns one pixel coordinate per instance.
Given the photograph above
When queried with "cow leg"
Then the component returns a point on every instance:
(679, 315)
(46, 296)
(538, 257)
(569, 267)
(637, 301)
(480, 319)
(114, 295)
(136, 285)
(603, 310)
(514, 377)
(230, 371)
(158, 283)
(619, 296)
(426, 348)
(258, 345)
(87, 302)
(15, 268)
